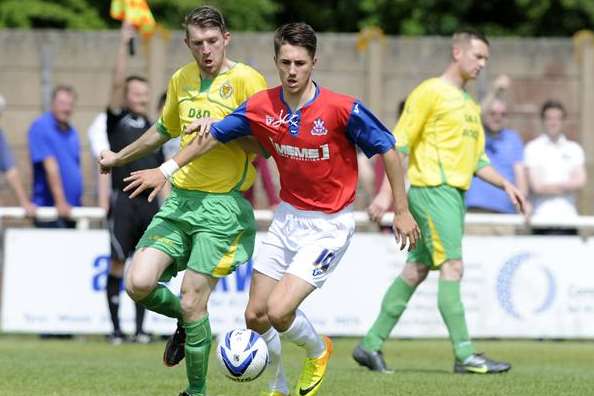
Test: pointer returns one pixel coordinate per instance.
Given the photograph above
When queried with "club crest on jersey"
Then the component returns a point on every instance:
(226, 90)
(319, 129)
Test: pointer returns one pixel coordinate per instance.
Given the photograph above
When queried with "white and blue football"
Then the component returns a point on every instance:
(242, 354)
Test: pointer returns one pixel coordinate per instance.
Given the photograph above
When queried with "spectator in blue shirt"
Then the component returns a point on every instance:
(10, 171)
(54, 147)
(505, 149)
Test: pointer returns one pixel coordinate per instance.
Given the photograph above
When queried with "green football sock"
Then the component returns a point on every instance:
(161, 300)
(198, 340)
(393, 305)
(452, 311)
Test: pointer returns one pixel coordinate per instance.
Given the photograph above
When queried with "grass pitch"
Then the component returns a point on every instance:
(30, 366)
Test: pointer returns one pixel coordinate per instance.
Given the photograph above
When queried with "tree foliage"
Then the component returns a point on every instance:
(404, 17)
(60, 14)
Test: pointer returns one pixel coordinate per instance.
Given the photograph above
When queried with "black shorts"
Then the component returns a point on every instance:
(128, 219)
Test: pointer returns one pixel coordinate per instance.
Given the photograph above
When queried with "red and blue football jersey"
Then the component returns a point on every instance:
(314, 147)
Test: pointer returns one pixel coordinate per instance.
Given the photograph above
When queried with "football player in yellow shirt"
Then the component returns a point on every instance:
(442, 135)
(205, 225)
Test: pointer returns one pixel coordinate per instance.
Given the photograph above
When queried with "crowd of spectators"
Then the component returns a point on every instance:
(550, 168)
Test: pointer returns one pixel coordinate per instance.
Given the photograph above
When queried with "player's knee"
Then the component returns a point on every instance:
(138, 286)
(193, 305)
(452, 270)
(279, 317)
(414, 275)
(255, 316)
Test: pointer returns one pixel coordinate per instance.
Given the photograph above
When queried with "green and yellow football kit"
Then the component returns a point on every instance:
(441, 131)
(205, 225)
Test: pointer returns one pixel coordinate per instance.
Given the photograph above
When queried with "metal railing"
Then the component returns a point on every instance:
(83, 215)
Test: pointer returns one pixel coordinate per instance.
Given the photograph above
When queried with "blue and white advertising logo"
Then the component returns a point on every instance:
(525, 287)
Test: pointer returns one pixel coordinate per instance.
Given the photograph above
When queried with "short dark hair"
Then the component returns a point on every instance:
(466, 35)
(63, 88)
(205, 17)
(552, 104)
(298, 34)
(134, 77)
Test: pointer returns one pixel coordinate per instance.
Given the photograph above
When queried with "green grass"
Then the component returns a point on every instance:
(29, 366)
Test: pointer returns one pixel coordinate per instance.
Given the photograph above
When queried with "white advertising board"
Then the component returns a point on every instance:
(543, 287)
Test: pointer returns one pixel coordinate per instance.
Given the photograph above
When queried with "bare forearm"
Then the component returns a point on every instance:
(521, 178)
(54, 180)
(196, 148)
(147, 143)
(103, 190)
(395, 176)
(13, 178)
(491, 176)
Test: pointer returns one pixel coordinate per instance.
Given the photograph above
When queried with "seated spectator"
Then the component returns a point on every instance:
(505, 150)
(54, 147)
(10, 171)
(556, 170)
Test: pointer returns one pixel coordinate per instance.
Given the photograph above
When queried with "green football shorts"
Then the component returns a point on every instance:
(439, 212)
(206, 232)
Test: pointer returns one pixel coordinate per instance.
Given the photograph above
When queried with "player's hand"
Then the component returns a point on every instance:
(516, 197)
(405, 228)
(127, 32)
(201, 126)
(64, 209)
(142, 180)
(107, 160)
(379, 206)
(30, 209)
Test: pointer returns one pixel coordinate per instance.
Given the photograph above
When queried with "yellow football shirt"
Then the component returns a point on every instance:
(441, 131)
(227, 166)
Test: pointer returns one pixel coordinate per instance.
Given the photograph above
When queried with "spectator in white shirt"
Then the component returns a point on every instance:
(556, 170)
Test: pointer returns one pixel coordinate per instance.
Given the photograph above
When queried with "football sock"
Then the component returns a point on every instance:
(197, 348)
(302, 333)
(452, 311)
(278, 381)
(161, 300)
(139, 318)
(393, 305)
(113, 300)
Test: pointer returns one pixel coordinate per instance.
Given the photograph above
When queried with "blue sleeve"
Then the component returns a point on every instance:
(367, 132)
(38, 144)
(233, 126)
(518, 154)
(6, 160)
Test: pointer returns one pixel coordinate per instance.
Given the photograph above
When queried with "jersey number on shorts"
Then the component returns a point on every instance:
(323, 262)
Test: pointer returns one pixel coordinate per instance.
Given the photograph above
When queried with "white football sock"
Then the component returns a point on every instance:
(278, 382)
(302, 333)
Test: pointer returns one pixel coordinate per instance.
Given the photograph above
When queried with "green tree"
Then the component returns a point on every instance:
(501, 17)
(244, 15)
(60, 14)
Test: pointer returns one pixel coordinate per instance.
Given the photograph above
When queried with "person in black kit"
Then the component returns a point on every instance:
(128, 218)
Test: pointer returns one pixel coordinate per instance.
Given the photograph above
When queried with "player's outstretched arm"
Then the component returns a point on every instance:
(491, 176)
(405, 226)
(147, 143)
(154, 179)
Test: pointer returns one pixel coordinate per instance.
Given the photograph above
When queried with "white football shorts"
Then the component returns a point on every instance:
(307, 244)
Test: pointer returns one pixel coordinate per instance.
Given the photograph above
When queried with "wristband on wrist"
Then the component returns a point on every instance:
(168, 168)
